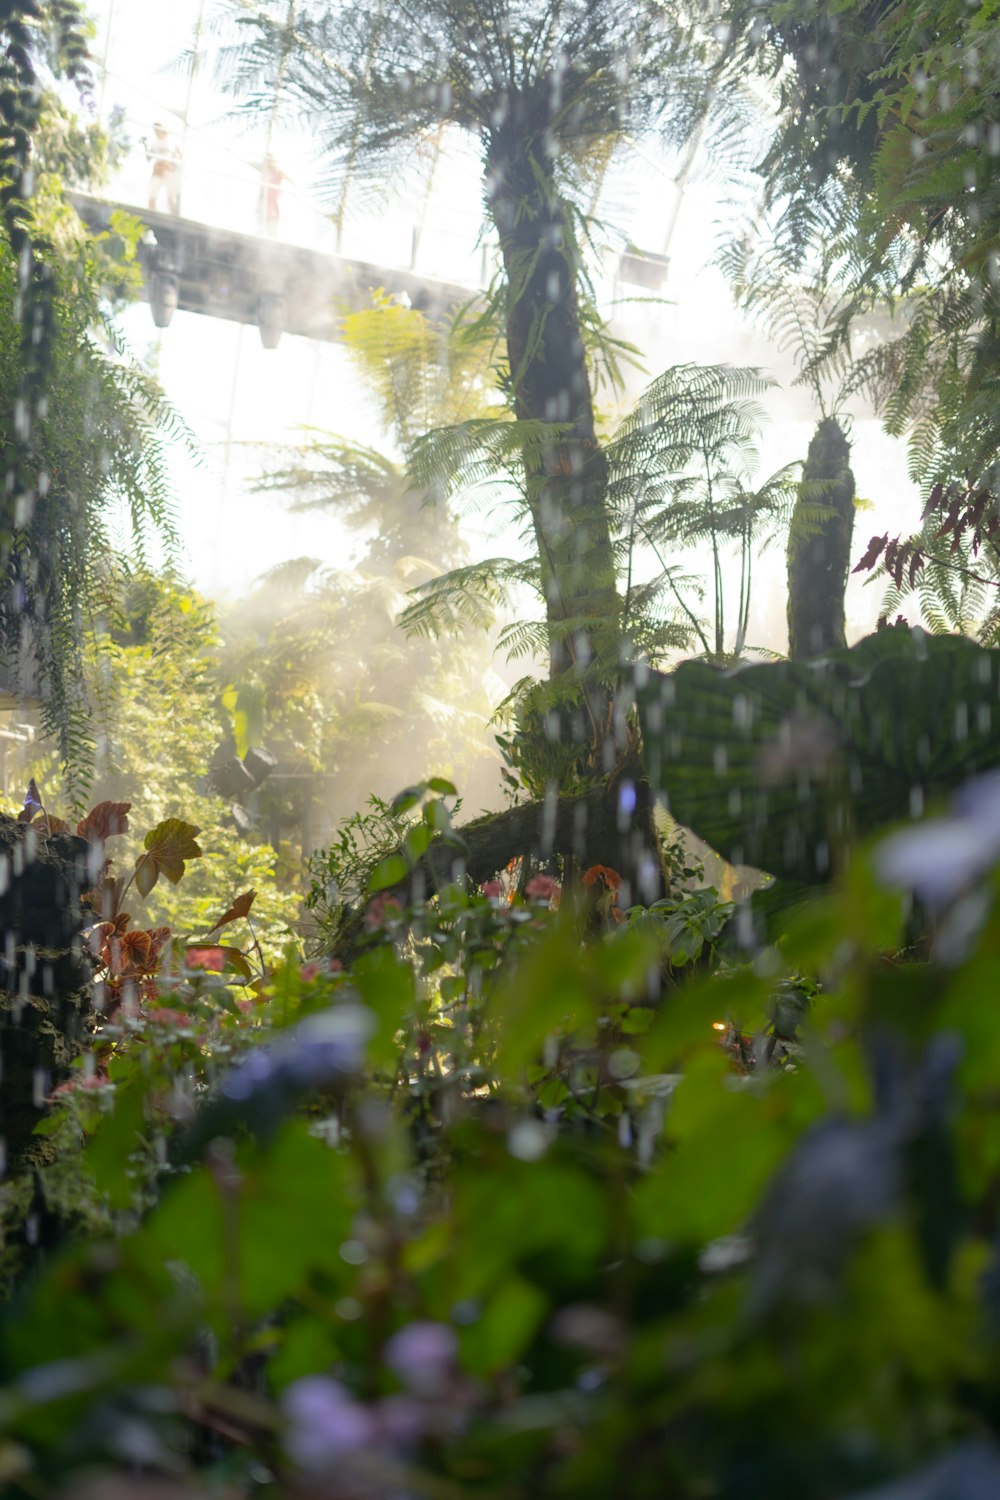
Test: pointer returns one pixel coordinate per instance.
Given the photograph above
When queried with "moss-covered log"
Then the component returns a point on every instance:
(819, 545)
(611, 824)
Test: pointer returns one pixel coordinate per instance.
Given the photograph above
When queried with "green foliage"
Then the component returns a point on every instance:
(299, 684)
(465, 64)
(783, 765)
(82, 426)
(570, 1209)
(419, 376)
(153, 669)
(680, 475)
(524, 1192)
(296, 680)
(886, 129)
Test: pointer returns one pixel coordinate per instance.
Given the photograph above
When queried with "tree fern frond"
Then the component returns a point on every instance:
(467, 596)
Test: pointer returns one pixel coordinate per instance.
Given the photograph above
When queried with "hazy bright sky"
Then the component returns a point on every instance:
(225, 384)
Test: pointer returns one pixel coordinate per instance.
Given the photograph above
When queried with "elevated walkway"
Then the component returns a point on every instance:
(245, 278)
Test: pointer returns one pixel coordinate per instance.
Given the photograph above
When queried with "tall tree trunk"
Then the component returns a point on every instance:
(567, 486)
(819, 545)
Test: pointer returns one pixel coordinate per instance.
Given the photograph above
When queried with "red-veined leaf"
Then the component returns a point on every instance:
(104, 820)
(104, 897)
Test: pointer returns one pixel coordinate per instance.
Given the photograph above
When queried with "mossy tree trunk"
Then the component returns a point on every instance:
(567, 485)
(819, 545)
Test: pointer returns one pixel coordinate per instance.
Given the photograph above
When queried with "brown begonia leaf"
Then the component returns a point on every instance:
(104, 897)
(240, 908)
(47, 826)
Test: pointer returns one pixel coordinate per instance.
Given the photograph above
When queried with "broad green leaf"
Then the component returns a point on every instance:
(730, 1136)
(389, 872)
(290, 1208)
(404, 800)
(504, 1329)
(386, 983)
(246, 704)
(437, 816)
(417, 841)
(168, 846)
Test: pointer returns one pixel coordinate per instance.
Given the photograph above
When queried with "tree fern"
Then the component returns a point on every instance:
(467, 596)
(543, 86)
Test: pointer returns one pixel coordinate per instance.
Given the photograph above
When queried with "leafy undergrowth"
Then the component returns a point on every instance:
(538, 1196)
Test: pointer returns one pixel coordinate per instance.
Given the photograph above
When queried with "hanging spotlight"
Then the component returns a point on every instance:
(271, 318)
(644, 268)
(163, 298)
(260, 762)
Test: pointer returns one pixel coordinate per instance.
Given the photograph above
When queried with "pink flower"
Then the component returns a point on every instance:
(212, 959)
(163, 1016)
(493, 889)
(381, 909)
(87, 1081)
(310, 971)
(541, 888)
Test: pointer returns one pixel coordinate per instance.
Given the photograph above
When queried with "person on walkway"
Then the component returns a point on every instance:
(269, 203)
(164, 156)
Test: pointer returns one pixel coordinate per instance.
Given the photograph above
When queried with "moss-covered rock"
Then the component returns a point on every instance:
(45, 976)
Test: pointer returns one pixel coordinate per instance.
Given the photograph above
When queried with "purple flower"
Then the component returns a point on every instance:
(402, 1420)
(323, 1422)
(326, 1046)
(423, 1356)
(941, 857)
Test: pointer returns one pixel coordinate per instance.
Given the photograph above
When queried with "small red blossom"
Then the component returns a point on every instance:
(541, 888)
(316, 967)
(611, 878)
